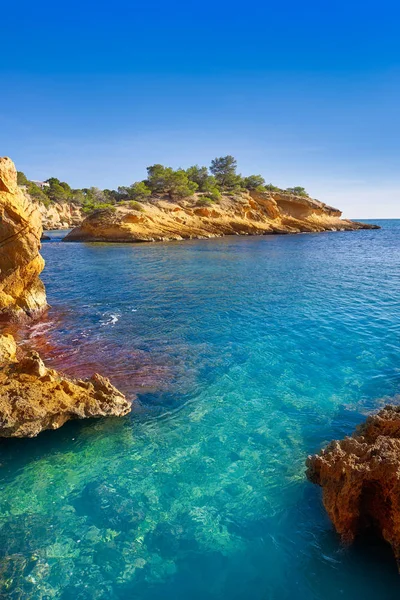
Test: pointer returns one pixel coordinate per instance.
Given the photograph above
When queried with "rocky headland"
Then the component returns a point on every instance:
(22, 293)
(244, 213)
(360, 479)
(34, 398)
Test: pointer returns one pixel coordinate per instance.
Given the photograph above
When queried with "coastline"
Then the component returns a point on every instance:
(248, 213)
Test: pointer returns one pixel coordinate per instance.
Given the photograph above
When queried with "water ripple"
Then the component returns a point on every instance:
(246, 355)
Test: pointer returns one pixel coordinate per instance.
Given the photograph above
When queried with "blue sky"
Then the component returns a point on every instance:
(305, 93)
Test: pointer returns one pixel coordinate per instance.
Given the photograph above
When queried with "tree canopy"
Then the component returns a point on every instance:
(254, 182)
(224, 171)
(165, 180)
(299, 191)
(22, 178)
(210, 182)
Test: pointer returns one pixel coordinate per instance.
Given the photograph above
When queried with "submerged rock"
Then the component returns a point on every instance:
(360, 478)
(21, 291)
(34, 398)
(160, 219)
(107, 506)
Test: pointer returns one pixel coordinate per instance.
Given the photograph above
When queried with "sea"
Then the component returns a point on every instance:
(242, 356)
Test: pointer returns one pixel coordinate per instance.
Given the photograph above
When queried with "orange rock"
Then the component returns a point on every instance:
(63, 215)
(255, 213)
(8, 349)
(21, 291)
(34, 398)
(360, 479)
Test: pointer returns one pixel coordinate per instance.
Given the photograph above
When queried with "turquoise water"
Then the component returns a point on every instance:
(245, 354)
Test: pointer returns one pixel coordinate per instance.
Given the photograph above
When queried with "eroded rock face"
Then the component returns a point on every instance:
(360, 478)
(8, 349)
(255, 213)
(34, 398)
(21, 291)
(60, 215)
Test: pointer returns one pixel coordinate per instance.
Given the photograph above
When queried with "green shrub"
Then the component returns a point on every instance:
(270, 187)
(203, 201)
(37, 194)
(22, 178)
(90, 207)
(135, 205)
(299, 191)
(253, 182)
(138, 191)
(213, 194)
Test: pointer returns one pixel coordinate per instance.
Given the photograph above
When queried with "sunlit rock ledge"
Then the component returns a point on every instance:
(34, 398)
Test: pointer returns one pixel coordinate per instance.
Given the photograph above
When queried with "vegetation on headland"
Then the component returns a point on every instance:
(221, 177)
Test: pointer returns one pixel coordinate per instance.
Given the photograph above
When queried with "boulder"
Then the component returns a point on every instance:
(360, 479)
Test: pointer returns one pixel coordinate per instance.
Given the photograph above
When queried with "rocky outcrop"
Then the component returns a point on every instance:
(256, 213)
(34, 398)
(21, 291)
(60, 215)
(360, 478)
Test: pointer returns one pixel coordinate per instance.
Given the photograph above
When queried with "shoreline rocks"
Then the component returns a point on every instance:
(22, 293)
(360, 479)
(34, 398)
(160, 219)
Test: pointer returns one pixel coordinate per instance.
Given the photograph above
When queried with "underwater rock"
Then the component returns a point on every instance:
(106, 505)
(160, 219)
(360, 478)
(21, 291)
(34, 398)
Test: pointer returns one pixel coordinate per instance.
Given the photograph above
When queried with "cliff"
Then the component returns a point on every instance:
(60, 215)
(360, 479)
(34, 398)
(245, 213)
(21, 291)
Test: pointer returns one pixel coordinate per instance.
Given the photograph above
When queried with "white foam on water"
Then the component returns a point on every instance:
(111, 320)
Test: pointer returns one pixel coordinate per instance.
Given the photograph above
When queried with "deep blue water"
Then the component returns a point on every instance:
(246, 354)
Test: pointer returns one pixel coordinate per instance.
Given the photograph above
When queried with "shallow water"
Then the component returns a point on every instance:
(245, 354)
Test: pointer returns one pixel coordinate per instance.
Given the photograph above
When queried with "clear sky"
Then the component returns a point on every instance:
(304, 92)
